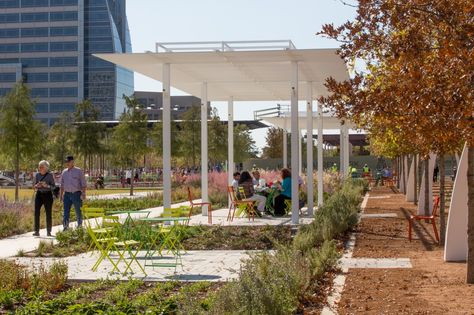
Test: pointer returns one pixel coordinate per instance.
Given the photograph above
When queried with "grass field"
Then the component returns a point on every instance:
(27, 193)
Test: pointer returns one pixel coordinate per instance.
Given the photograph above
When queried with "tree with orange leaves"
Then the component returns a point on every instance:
(418, 80)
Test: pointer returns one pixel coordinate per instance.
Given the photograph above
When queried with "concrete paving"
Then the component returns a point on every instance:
(219, 217)
(206, 265)
(136, 194)
(375, 263)
(379, 215)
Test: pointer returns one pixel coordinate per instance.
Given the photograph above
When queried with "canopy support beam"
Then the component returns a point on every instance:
(320, 154)
(285, 148)
(166, 135)
(309, 147)
(295, 138)
(230, 139)
(204, 148)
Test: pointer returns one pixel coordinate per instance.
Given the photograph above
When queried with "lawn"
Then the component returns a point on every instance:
(27, 193)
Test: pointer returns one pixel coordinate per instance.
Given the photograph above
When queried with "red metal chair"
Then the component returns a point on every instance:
(199, 204)
(431, 218)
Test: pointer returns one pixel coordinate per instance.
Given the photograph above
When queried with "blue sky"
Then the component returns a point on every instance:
(154, 21)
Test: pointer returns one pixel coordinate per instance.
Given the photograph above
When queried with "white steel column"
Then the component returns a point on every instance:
(341, 150)
(285, 147)
(204, 148)
(300, 152)
(346, 150)
(309, 148)
(230, 139)
(166, 136)
(294, 143)
(320, 154)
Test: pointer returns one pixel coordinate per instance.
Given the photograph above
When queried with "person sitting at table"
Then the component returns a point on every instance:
(285, 192)
(257, 180)
(247, 184)
(235, 182)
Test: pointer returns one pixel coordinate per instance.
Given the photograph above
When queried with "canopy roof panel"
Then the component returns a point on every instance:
(329, 122)
(262, 75)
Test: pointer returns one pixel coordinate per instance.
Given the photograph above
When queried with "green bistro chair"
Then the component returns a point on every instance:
(93, 221)
(130, 247)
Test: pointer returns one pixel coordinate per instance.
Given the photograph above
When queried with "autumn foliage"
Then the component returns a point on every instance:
(414, 87)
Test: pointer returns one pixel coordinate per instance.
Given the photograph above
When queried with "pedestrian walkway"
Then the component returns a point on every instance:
(219, 217)
(136, 194)
(383, 272)
(205, 265)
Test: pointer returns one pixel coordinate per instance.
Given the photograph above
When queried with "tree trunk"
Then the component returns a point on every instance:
(403, 175)
(17, 169)
(427, 186)
(415, 177)
(442, 199)
(399, 171)
(470, 220)
(132, 179)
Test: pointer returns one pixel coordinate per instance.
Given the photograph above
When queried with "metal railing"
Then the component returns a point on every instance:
(277, 111)
(225, 46)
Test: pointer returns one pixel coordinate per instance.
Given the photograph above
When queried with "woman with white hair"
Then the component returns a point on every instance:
(43, 185)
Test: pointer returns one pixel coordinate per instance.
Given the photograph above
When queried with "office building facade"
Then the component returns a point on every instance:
(153, 104)
(49, 44)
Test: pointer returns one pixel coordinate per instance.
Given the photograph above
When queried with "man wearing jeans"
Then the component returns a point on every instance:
(73, 191)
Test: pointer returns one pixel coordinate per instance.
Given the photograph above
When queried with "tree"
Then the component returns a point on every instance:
(217, 137)
(130, 136)
(244, 144)
(19, 130)
(60, 137)
(157, 138)
(274, 143)
(418, 79)
(88, 133)
(190, 137)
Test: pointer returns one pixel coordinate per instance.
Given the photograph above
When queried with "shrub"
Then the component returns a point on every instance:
(8, 299)
(17, 277)
(338, 214)
(274, 283)
(72, 237)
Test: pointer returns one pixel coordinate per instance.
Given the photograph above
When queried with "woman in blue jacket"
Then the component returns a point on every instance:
(285, 192)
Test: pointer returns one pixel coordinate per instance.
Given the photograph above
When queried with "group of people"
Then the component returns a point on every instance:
(71, 193)
(251, 184)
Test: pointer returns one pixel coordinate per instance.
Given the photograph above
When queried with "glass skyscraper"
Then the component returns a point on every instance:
(49, 43)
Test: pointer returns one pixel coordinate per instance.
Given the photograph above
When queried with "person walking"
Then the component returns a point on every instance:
(43, 186)
(73, 191)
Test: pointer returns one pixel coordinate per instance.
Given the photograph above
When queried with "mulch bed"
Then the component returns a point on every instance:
(239, 238)
(432, 286)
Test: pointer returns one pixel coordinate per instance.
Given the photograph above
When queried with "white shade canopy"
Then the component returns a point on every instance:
(243, 75)
(329, 122)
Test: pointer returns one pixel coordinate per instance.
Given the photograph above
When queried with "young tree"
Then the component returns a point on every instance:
(88, 133)
(61, 136)
(130, 136)
(274, 143)
(190, 135)
(19, 131)
(217, 137)
(157, 137)
(244, 144)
